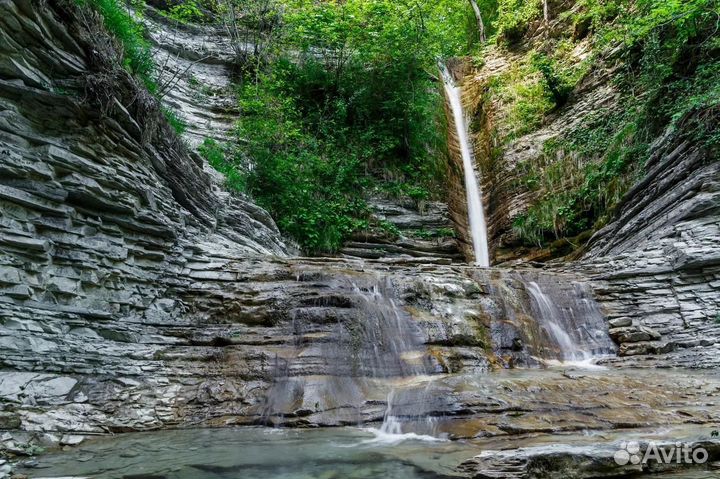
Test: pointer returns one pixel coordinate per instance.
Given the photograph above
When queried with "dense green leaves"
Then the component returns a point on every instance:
(349, 105)
(137, 55)
(308, 179)
(669, 56)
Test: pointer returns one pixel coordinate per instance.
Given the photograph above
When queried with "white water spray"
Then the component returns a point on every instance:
(476, 213)
(578, 336)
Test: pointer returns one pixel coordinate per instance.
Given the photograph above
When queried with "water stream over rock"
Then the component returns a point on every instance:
(476, 211)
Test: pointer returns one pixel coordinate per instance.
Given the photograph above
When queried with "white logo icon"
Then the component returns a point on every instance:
(629, 453)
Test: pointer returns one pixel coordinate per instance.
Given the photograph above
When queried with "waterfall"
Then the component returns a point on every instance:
(549, 318)
(476, 212)
(373, 347)
(397, 341)
(572, 322)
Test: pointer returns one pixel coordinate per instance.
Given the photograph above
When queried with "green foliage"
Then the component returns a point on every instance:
(349, 108)
(514, 16)
(670, 57)
(176, 121)
(437, 233)
(309, 180)
(534, 87)
(575, 194)
(194, 11)
(186, 12)
(215, 155)
(559, 85)
(528, 100)
(137, 57)
(371, 76)
(389, 228)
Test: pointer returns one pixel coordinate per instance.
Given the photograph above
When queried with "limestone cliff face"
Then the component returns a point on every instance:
(136, 293)
(660, 259)
(196, 64)
(104, 212)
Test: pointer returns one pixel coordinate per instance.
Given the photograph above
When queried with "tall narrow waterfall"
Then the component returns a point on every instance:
(476, 212)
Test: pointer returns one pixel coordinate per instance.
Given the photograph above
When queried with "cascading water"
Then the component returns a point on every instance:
(395, 339)
(476, 212)
(550, 320)
(375, 347)
(545, 319)
(573, 323)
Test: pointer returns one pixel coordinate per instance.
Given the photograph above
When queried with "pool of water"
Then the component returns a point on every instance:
(323, 453)
(261, 453)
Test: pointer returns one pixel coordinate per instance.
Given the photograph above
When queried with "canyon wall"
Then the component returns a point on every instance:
(658, 263)
(137, 293)
(104, 212)
(655, 265)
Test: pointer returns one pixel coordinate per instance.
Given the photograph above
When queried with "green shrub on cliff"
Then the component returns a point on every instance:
(308, 179)
(137, 56)
(666, 56)
(514, 17)
(350, 104)
(136, 52)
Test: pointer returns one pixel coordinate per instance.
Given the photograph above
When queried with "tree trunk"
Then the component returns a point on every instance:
(478, 15)
(546, 11)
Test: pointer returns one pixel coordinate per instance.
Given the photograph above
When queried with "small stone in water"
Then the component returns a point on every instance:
(71, 440)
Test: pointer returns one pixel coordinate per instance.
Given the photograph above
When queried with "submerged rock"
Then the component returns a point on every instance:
(620, 459)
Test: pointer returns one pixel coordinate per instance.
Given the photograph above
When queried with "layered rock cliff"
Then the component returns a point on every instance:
(104, 209)
(655, 263)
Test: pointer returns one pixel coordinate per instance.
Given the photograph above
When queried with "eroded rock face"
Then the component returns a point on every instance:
(421, 232)
(658, 263)
(196, 71)
(103, 209)
(584, 461)
(137, 294)
(654, 268)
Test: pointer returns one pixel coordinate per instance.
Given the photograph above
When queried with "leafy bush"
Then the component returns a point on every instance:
(186, 11)
(526, 97)
(176, 121)
(215, 155)
(137, 54)
(668, 79)
(309, 181)
(559, 85)
(350, 108)
(514, 17)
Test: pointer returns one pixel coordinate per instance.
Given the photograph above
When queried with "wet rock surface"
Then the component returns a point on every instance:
(582, 461)
(655, 267)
